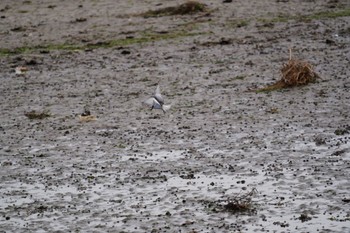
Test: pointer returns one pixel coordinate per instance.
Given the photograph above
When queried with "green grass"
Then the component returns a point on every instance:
(315, 16)
(153, 37)
(330, 14)
(145, 38)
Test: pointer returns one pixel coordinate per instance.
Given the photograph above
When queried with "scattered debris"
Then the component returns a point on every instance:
(37, 115)
(79, 20)
(281, 224)
(222, 41)
(242, 203)
(21, 70)
(320, 140)
(294, 73)
(342, 131)
(86, 116)
(125, 52)
(31, 62)
(188, 176)
(339, 152)
(18, 29)
(272, 110)
(304, 217)
(346, 200)
(190, 7)
(168, 214)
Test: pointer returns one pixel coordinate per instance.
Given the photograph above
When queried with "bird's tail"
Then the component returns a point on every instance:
(166, 107)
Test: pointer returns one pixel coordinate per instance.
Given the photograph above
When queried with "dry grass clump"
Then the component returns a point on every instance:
(294, 73)
(239, 204)
(190, 7)
(297, 73)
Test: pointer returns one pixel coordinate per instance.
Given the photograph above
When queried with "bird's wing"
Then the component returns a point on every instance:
(149, 102)
(157, 90)
(158, 96)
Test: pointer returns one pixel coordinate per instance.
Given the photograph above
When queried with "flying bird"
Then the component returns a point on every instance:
(157, 101)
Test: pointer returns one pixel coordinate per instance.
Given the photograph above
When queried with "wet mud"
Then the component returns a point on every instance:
(80, 153)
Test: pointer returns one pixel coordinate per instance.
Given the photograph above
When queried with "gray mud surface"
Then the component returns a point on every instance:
(137, 170)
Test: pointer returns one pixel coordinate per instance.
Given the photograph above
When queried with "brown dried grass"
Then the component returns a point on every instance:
(294, 73)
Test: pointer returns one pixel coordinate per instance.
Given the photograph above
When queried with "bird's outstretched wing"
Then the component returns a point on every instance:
(157, 90)
(158, 96)
(149, 102)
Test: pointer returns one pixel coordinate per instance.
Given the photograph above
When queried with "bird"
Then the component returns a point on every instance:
(157, 101)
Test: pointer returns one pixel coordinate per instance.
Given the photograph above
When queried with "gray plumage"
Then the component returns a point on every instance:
(157, 101)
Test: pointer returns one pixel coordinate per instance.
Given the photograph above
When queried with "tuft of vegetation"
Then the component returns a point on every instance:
(190, 7)
(294, 73)
(240, 204)
(37, 115)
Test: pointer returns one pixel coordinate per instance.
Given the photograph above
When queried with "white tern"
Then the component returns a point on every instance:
(157, 101)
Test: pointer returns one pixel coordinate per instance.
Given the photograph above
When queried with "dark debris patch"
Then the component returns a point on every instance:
(304, 217)
(281, 224)
(346, 200)
(240, 204)
(188, 176)
(187, 8)
(34, 115)
(342, 131)
(339, 152)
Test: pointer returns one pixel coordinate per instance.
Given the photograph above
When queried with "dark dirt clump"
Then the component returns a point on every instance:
(37, 115)
(190, 7)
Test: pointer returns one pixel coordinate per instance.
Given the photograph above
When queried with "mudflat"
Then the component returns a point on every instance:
(80, 153)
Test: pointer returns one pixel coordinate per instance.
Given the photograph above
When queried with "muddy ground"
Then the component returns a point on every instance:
(137, 170)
